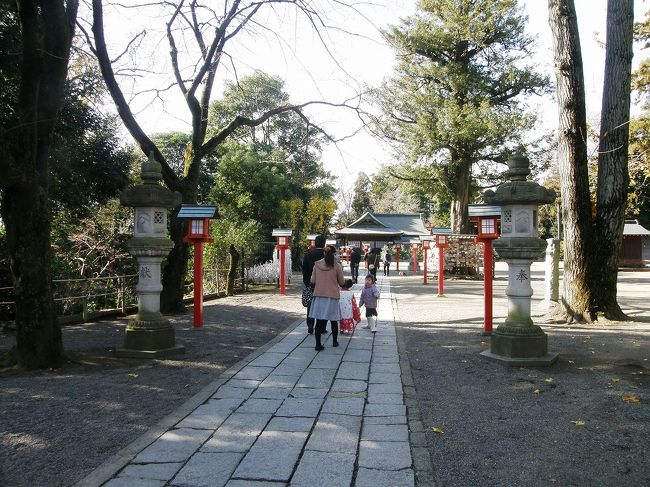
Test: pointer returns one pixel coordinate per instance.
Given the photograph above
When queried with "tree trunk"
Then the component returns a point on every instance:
(460, 202)
(175, 269)
(38, 336)
(613, 176)
(572, 159)
(232, 271)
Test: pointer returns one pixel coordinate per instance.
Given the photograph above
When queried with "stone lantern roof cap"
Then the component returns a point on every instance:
(518, 190)
(150, 193)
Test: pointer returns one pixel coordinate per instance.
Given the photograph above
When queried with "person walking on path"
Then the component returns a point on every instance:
(388, 258)
(369, 298)
(350, 314)
(355, 259)
(308, 267)
(327, 276)
(373, 262)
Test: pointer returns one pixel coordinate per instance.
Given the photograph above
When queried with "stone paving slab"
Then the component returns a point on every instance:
(320, 469)
(335, 433)
(353, 371)
(151, 471)
(273, 456)
(237, 433)
(207, 470)
(377, 398)
(209, 416)
(176, 445)
(385, 455)
(381, 478)
(300, 407)
(344, 405)
(378, 432)
(347, 385)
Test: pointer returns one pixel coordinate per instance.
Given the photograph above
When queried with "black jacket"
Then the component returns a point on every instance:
(308, 264)
(355, 257)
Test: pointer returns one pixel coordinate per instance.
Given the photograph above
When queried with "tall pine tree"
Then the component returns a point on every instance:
(455, 100)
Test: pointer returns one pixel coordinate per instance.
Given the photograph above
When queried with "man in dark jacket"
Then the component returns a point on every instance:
(355, 258)
(307, 269)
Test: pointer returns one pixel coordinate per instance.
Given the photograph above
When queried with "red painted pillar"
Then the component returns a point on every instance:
(397, 256)
(198, 284)
(441, 271)
(424, 280)
(282, 263)
(487, 284)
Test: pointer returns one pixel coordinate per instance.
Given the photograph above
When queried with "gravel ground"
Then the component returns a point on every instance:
(566, 425)
(57, 426)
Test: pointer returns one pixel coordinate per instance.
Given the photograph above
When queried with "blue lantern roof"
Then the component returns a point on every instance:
(199, 211)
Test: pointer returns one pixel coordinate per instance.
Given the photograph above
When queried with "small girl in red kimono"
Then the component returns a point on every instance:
(350, 314)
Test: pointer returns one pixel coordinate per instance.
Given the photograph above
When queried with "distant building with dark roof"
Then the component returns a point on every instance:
(378, 229)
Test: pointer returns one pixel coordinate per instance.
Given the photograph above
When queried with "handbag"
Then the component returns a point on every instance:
(307, 295)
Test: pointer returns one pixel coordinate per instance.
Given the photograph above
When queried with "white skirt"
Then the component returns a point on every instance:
(324, 309)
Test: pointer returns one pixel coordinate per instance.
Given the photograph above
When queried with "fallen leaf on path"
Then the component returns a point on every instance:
(571, 362)
(631, 399)
(133, 374)
(578, 422)
(615, 380)
(537, 391)
(435, 429)
(549, 379)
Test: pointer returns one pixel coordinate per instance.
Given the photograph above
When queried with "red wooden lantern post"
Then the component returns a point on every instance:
(283, 237)
(198, 231)
(398, 248)
(441, 243)
(426, 245)
(414, 250)
(487, 231)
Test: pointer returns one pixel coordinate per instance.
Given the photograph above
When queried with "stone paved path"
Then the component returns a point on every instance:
(290, 417)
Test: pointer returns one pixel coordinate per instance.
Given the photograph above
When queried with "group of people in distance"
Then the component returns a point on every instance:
(372, 259)
(333, 299)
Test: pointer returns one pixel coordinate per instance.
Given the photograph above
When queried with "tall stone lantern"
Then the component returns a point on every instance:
(518, 341)
(149, 335)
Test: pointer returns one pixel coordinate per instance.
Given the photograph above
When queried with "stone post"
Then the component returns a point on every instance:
(552, 271)
(518, 341)
(149, 335)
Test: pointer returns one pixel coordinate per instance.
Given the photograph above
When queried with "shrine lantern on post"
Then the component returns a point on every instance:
(198, 232)
(415, 245)
(488, 230)
(426, 245)
(442, 242)
(398, 249)
(283, 239)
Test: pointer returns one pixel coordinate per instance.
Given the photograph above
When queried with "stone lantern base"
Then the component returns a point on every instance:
(149, 339)
(520, 346)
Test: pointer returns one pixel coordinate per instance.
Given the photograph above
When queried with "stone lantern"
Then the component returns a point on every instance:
(518, 341)
(149, 334)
